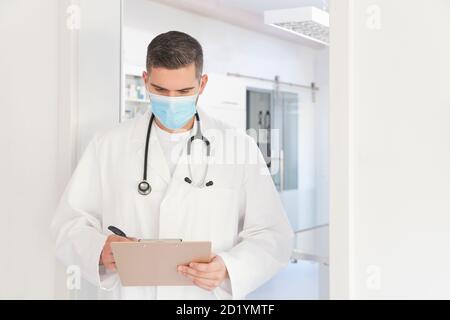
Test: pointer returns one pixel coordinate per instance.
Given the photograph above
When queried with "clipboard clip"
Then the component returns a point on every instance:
(160, 240)
(119, 232)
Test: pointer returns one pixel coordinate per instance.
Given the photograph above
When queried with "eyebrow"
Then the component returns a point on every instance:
(158, 87)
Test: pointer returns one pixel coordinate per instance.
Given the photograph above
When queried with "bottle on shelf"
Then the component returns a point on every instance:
(133, 91)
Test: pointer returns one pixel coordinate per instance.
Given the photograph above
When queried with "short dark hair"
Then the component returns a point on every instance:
(175, 50)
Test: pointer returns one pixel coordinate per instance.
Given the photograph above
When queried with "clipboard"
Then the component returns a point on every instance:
(155, 262)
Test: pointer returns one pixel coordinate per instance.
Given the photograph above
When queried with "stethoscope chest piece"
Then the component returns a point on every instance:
(144, 188)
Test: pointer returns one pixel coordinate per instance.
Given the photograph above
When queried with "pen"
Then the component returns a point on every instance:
(117, 231)
(120, 233)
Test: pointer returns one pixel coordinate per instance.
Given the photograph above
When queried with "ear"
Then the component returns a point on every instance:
(203, 83)
(145, 76)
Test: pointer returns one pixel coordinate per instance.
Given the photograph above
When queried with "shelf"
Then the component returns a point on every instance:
(133, 70)
(137, 100)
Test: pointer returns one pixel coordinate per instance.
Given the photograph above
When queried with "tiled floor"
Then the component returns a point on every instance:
(295, 282)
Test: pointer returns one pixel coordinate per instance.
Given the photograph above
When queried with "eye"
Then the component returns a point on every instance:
(163, 92)
(184, 91)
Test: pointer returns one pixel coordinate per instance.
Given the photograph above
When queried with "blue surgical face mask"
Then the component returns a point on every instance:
(173, 112)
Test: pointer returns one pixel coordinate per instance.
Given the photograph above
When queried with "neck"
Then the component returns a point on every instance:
(188, 126)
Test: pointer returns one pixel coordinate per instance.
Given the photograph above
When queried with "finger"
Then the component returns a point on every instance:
(108, 250)
(205, 267)
(203, 286)
(116, 238)
(111, 266)
(124, 239)
(201, 283)
(199, 274)
(108, 260)
(204, 283)
(107, 253)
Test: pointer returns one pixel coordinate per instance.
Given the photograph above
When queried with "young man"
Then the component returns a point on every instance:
(228, 199)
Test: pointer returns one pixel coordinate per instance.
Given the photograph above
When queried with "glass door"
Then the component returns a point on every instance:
(289, 148)
(273, 119)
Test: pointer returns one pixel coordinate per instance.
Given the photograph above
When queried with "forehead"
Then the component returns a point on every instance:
(174, 79)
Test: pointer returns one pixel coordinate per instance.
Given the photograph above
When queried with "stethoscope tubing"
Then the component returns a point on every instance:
(144, 187)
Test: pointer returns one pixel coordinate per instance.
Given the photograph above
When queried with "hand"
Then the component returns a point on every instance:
(107, 258)
(206, 275)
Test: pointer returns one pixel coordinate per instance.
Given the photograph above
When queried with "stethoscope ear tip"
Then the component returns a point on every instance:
(208, 184)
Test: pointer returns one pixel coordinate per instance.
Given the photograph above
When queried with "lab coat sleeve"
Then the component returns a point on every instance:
(77, 224)
(266, 240)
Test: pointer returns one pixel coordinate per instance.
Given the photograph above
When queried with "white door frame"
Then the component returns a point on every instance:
(89, 86)
(341, 150)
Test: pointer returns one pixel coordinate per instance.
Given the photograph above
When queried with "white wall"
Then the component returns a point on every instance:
(89, 73)
(57, 88)
(28, 135)
(227, 48)
(99, 68)
(390, 115)
(321, 133)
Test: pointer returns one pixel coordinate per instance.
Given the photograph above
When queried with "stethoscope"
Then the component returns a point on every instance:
(144, 187)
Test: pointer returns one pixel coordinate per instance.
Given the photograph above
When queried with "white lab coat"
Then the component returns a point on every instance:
(241, 214)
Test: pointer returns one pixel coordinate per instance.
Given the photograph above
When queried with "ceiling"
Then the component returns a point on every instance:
(258, 6)
(247, 13)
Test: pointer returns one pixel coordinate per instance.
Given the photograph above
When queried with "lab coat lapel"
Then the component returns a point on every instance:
(156, 159)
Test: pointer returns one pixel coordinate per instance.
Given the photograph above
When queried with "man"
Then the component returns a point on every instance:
(228, 199)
